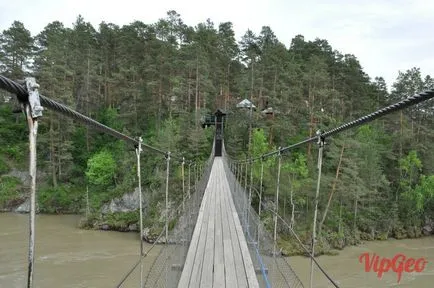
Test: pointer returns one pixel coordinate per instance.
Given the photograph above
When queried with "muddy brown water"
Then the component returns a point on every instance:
(67, 256)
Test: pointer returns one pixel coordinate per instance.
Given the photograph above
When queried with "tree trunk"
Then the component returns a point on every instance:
(160, 103)
(189, 90)
(228, 87)
(292, 202)
(52, 152)
(87, 99)
(311, 104)
(59, 164)
(355, 213)
(400, 150)
(340, 217)
(197, 93)
(333, 190)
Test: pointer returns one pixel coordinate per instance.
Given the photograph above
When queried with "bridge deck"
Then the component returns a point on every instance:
(218, 255)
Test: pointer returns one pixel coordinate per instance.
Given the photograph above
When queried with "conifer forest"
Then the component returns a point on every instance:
(159, 81)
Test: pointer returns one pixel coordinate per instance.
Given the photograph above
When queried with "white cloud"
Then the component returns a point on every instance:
(385, 35)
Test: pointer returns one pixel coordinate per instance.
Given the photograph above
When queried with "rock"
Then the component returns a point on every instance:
(105, 227)
(133, 227)
(25, 177)
(427, 230)
(22, 175)
(150, 235)
(127, 203)
(25, 207)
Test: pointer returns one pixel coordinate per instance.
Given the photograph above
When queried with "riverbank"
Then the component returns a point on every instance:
(330, 243)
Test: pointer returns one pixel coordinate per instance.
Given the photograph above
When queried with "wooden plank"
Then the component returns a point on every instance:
(229, 261)
(218, 255)
(238, 261)
(192, 250)
(248, 264)
(219, 268)
(208, 260)
(198, 260)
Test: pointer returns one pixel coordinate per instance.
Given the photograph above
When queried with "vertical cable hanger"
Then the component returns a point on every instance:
(260, 197)
(138, 152)
(167, 206)
(276, 204)
(321, 142)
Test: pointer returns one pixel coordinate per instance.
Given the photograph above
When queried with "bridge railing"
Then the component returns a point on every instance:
(239, 170)
(166, 270)
(272, 270)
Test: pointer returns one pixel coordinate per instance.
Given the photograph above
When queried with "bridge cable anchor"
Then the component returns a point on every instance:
(34, 99)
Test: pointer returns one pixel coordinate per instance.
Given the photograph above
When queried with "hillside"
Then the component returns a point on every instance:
(158, 80)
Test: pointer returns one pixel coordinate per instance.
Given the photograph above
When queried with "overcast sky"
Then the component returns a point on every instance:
(385, 35)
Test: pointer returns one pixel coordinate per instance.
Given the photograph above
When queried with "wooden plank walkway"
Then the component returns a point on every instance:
(218, 255)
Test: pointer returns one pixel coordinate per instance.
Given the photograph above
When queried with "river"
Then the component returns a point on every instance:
(70, 257)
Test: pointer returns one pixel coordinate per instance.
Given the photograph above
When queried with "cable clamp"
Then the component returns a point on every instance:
(321, 139)
(34, 101)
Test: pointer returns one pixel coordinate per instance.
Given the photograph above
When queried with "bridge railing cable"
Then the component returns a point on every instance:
(166, 269)
(271, 271)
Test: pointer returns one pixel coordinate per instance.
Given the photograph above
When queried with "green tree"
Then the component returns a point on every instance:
(101, 169)
(16, 48)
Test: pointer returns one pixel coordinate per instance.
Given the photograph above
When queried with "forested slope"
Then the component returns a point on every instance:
(157, 80)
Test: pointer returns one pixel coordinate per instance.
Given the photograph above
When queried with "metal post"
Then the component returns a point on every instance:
(139, 179)
(260, 197)
(244, 196)
(245, 179)
(33, 110)
(250, 195)
(240, 186)
(320, 153)
(167, 211)
(167, 195)
(276, 205)
(191, 203)
(183, 185)
(235, 180)
(87, 201)
(196, 172)
(189, 180)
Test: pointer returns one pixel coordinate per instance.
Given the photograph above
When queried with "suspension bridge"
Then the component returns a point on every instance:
(219, 239)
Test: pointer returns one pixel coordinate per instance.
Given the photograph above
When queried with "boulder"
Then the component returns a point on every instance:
(127, 203)
(25, 207)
